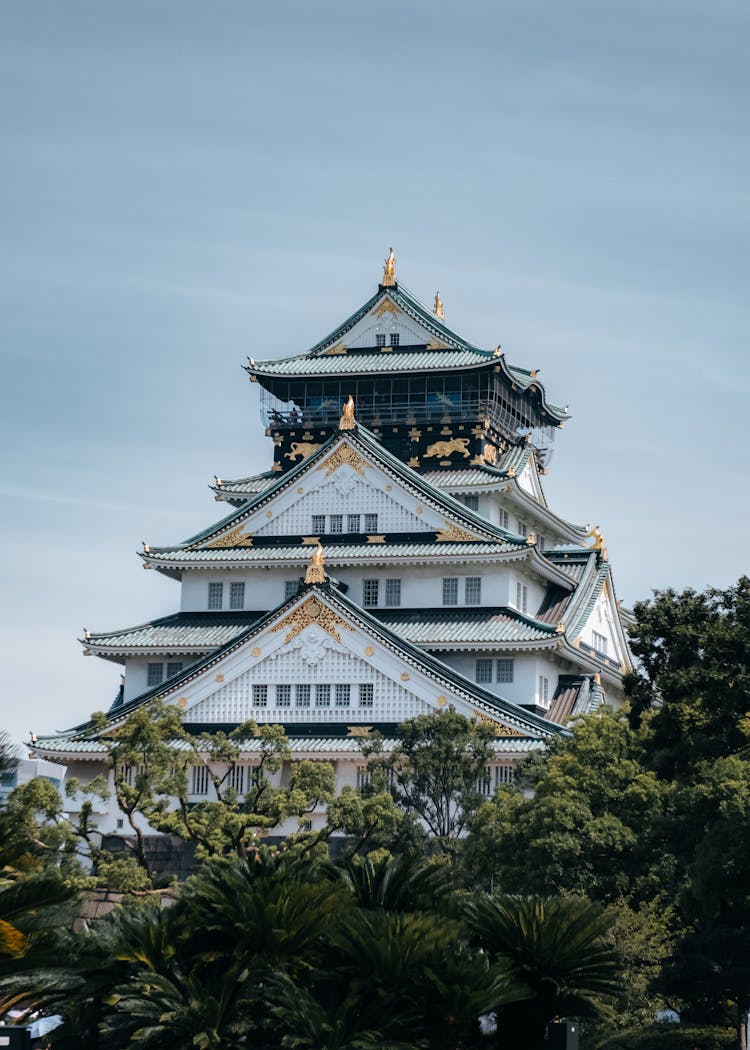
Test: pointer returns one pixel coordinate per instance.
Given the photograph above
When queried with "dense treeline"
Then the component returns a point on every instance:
(610, 883)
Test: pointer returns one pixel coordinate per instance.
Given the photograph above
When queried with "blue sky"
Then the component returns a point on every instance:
(185, 184)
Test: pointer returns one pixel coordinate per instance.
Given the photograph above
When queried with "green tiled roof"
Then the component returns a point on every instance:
(193, 631)
(454, 626)
(376, 363)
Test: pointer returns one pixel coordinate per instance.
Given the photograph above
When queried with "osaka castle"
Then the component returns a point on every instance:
(397, 557)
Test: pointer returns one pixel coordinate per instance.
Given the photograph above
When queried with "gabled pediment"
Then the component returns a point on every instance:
(319, 659)
(385, 325)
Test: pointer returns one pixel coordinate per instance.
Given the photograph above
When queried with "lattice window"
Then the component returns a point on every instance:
(371, 523)
(237, 595)
(450, 591)
(236, 779)
(260, 695)
(155, 674)
(505, 669)
(543, 690)
(199, 780)
(370, 590)
(337, 523)
(483, 671)
(503, 518)
(363, 778)
(393, 592)
(215, 595)
(319, 523)
(473, 590)
(504, 775)
(352, 522)
(322, 695)
(290, 589)
(130, 773)
(174, 668)
(471, 501)
(302, 695)
(343, 694)
(380, 339)
(600, 642)
(484, 783)
(366, 694)
(395, 338)
(283, 695)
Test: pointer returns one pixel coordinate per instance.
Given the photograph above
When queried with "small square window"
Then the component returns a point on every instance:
(337, 523)
(371, 523)
(260, 695)
(370, 593)
(155, 674)
(471, 501)
(395, 339)
(483, 671)
(290, 588)
(473, 590)
(319, 523)
(503, 519)
(380, 339)
(600, 642)
(343, 694)
(505, 670)
(393, 592)
(215, 595)
(450, 591)
(322, 696)
(174, 668)
(283, 696)
(366, 694)
(237, 596)
(352, 522)
(302, 695)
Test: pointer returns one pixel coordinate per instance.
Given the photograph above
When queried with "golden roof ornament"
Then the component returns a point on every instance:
(598, 544)
(389, 271)
(315, 570)
(347, 421)
(438, 310)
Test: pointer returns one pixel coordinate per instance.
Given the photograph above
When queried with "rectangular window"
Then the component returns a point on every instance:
(290, 589)
(343, 694)
(523, 529)
(450, 591)
(215, 595)
(305, 825)
(322, 696)
(283, 696)
(484, 784)
(236, 779)
(352, 523)
(302, 695)
(395, 338)
(199, 780)
(366, 694)
(155, 674)
(236, 595)
(371, 523)
(174, 668)
(337, 523)
(600, 642)
(319, 523)
(370, 593)
(471, 501)
(380, 339)
(543, 691)
(542, 541)
(393, 592)
(260, 695)
(505, 670)
(473, 590)
(483, 672)
(504, 775)
(363, 777)
(522, 597)
(503, 519)
(130, 773)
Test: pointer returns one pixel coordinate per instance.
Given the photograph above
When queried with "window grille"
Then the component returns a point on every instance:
(302, 695)
(600, 643)
(174, 668)
(366, 694)
(522, 597)
(484, 783)
(215, 595)
(504, 775)
(380, 339)
(237, 596)
(363, 777)
(290, 589)
(523, 528)
(483, 671)
(471, 501)
(322, 696)
(371, 523)
(305, 825)
(505, 670)
(352, 522)
(319, 523)
(337, 523)
(199, 780)
(260, 695)
(393, 592)
(155, 674)
(473, 590)
(503, 519)
(370, 593)
(236, 779)
(283, 696)
(343, 694)
(450, 591)
(130, 773)
(395, 338)
(543, 691)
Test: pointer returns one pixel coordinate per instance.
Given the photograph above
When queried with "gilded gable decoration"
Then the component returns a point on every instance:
(502, 729)
(236, 537)
(312, 611)
(385, 306)
(453, 534)
(343, 456)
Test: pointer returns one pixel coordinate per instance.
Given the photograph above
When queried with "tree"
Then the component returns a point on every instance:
(434, 770)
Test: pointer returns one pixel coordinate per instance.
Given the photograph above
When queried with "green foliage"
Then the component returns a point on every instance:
(669, 1037)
